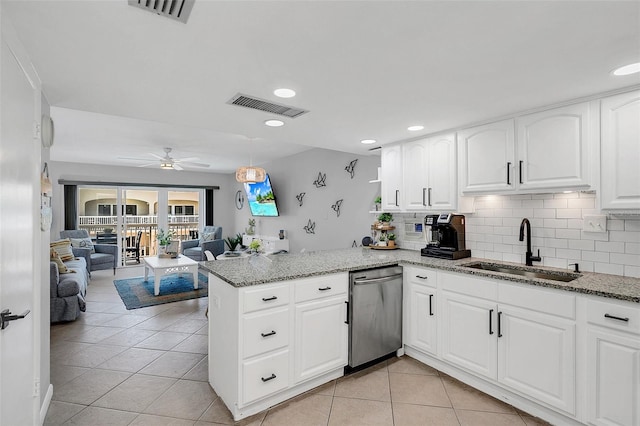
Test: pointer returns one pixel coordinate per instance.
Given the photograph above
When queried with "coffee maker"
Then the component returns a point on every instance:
(445, 237)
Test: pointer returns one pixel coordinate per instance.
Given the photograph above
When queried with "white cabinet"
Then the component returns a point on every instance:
(549, 150)
(391, 185)
(486, 158)
(429, 174)
(620, 152)
(421, 316)
(613, 363)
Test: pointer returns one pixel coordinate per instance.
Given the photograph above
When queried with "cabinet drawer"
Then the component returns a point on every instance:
(420, 276)
(324, 286)
(468, 284)
(616, 315)
(546, 300)
(264, 376)
(263, 297)
(265, 331)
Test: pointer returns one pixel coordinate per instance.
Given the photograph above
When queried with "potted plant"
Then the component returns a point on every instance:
(378, 202)
(382, 241)
(385, 218)
(251, 229)
(164, 238)
(232, 242)
(255, 245)
(391, 237)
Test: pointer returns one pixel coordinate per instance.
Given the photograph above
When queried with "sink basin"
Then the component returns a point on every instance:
(515, 270)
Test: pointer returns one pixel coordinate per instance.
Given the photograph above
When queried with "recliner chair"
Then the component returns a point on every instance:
(194, 249)
(105, 256)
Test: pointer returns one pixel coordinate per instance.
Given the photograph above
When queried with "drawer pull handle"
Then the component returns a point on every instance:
(421, 277)
(266, 379)
(266, 299)
(268, 334)
(431, 305)
(490, 321)
(499, 324)
(325, 288)
(616, 318)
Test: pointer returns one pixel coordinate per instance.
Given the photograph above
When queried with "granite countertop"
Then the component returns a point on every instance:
(254, 270)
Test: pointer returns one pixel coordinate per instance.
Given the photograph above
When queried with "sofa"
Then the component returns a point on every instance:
(104, 257)
(210, 239)
(67, 291)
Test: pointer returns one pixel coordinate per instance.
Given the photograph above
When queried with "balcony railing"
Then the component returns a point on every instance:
(136, 220)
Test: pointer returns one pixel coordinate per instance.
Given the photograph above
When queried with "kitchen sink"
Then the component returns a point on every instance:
(524, 271)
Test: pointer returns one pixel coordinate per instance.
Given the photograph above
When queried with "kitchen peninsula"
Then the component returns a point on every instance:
(277, 329)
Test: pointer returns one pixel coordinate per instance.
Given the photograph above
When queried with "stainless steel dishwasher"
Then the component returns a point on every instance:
(375, 314)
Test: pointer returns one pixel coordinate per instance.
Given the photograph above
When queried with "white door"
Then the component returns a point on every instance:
(422, 318)
(415, 175)
(19, 228)
(391, 166)
(442, 191)
(487, 157)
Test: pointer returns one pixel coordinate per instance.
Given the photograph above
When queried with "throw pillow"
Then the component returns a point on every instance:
(63, 248)
(209, 236)
(62, 268)
(83, 243)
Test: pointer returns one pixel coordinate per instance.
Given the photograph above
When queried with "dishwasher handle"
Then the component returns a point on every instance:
(361, 281)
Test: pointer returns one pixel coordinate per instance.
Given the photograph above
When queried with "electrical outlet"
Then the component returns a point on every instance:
(594, 223)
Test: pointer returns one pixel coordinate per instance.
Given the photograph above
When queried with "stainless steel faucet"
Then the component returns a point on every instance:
(530, 258)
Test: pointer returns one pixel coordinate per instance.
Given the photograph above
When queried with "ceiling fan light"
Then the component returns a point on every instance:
(250, 174)
(166, 165)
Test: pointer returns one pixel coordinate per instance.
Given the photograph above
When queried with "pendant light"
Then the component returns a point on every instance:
(250, 173)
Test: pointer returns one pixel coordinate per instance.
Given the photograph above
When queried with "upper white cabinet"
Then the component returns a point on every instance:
(546, 150)
(620, 152)
(486, 157)
(553, 147)
(391, 186)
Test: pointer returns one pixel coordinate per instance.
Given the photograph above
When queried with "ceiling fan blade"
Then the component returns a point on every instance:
(133, 159)
(148, 164)
(182, 160)
(190, 164)
(157, 156)
(177, 167)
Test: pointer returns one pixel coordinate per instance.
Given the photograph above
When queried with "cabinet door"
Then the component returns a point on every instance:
(442, 190)
(391, 167)
(536, 356)
(468, 330)
(487, 157)
(422, 318)
(613, 378)
(415, 174)
(554, 147)
(321, 337)
(620, 152)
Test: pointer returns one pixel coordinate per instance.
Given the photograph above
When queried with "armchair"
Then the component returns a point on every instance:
(194, 249)
(105, 256)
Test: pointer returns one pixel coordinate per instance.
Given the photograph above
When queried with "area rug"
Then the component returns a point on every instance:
(138, 293)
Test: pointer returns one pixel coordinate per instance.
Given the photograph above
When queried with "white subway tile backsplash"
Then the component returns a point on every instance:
(626, 236)
(555, 262)
(569, 213)
(555, 203)
(543, 232)
(595, 256)
(493, 221)
(596, 236)
(582, 244)
(625, 259)
(573, 255)
(607, 268)
(632, 271)
(556, 242)
(533, 204)
(493, 255)
(512, 257)
(574, 223)
(522, 213)
(555, 223)
(615, 225)
(632, 248)
(567, 195)
(568, 233)
(544, 213)
(582, 203)
(611, 247)
(632, 225)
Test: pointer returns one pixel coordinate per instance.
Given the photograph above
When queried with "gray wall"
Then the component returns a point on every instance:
(295, 174)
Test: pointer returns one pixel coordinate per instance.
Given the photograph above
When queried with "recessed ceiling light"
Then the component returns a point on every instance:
(274, 123)
(415, 128)
(368, 141)
(627, 69)
(284, 93)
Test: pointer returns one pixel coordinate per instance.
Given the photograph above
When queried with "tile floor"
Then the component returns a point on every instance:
(149, 367)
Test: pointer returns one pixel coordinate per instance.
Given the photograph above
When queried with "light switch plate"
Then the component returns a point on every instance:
(594, 223)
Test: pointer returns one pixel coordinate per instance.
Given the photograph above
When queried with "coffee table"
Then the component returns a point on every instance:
(163, 266)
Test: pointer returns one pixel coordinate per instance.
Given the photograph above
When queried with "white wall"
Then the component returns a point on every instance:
(223, 198)
(295, 174)
(45, 305)
(556, 229)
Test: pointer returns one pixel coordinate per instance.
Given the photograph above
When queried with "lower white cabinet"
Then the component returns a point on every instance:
(421, 316)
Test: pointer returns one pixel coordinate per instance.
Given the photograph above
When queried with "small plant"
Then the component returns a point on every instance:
(391, 236)
(385, 217)
(255, 245)
(232, 242)
(378, 200)
(164, 238)
(251, 229)
(383, 237)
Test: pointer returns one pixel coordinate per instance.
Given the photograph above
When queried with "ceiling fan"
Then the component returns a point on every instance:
(167, 162)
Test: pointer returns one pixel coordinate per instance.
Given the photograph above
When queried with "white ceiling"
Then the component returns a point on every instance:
(126, 82)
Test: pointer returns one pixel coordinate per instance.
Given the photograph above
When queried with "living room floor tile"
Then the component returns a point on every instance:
(89, 387)
(172, 364)
(128, 337)
(200, 372)
(125, 321)
(187, 326)
(96, 334)
(61, 374)
(59, 412)
(136, 393)
(195, 343)
(164, 340)
(151, 420)
(132, 360)
(185, 399)
(91, 356)
(96, 416)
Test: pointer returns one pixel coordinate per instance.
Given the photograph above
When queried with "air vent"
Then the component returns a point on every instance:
(263, 105)
(174, 9)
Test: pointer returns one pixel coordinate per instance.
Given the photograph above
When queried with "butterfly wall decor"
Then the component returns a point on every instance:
(310, 227)
(354, 244)
(351, 168)
(299, 197)
(321, 180)
(336, 207)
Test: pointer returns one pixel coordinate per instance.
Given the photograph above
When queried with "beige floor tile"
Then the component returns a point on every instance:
(89, 387)
(131, 360)
(195, 343)
(418, 389)
(129, 337)
(96, 334)
(367, 384)
(163, 340)
(465, 397)
(218, 414)
(483, 418)
(533, 421)
(125, 321)
(101, 306)
(158, 322)
(409, 365)
(65, 349)
(356, 412)
(204, 330)
(61, 374)
(423, 415)
(95, 416)
(136, 393)
(92, 356)
(187, 326)
(326, 389)
(200, 372)
(59, 412)
(185, 400)
(304, 410)
(172, 364)
(149, 420)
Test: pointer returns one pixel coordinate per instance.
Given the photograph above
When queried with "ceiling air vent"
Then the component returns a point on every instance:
(174, 9)
(263, 105)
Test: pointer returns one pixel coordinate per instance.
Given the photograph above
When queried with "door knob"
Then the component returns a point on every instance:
(6, 317)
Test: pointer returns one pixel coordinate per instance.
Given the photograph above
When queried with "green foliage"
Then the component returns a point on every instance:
(255, 244)
(266, 198)
(378, 200)
(385, 217)
(232, 242)
(164, 238)
(391, 236)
